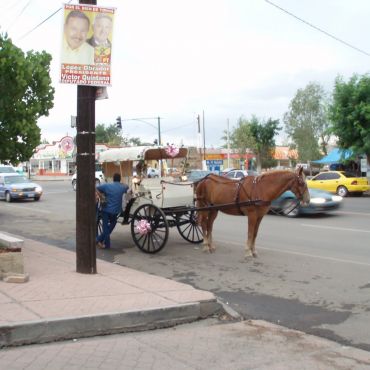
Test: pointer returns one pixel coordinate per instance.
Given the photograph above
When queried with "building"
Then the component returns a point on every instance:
(220, 159)
(285, 157)
(58, 158)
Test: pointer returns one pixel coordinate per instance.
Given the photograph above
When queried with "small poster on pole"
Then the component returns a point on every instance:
(87, 45)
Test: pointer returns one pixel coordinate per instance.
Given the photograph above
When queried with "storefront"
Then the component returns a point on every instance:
(58, 158)
(219, 159)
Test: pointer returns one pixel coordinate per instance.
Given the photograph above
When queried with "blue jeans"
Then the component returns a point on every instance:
(109, 222)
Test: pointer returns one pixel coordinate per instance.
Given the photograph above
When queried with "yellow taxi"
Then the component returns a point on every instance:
(340, 182)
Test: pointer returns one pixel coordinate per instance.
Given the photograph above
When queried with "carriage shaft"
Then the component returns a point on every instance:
(257, 202)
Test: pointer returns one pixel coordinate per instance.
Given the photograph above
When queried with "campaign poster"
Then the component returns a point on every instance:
(86, 54)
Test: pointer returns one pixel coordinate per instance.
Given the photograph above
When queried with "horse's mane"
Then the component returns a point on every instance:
(276, 173)
(270, 175)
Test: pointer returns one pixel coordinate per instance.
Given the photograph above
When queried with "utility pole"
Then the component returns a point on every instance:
(159, 131)
(228, 144)
(85, 194)
(204, 139)
(199, 143)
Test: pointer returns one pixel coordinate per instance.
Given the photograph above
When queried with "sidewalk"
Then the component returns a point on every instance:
(59, 303)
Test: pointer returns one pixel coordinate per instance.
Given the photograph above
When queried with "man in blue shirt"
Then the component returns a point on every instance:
(113, 193)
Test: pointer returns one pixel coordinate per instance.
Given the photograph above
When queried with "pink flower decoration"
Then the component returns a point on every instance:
(143, 227)
(172, 150)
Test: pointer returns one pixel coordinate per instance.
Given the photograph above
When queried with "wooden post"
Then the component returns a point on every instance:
(85, 194)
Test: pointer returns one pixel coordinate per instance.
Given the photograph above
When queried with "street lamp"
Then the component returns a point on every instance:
(148, 123)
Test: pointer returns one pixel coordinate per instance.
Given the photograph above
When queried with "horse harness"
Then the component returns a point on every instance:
(256, 201)
(237, 202)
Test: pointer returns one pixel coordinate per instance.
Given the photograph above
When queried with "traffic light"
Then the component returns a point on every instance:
(119, 122)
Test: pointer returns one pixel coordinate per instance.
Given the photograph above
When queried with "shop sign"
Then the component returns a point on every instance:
(214, 162)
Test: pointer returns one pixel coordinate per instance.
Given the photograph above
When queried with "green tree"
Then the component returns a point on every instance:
(26, 94)
(307, 122)
(258, 136)
(350, 114)
(135, 141)
(110, 135)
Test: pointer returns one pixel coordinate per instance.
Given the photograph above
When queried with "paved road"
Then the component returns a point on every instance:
(313, 273)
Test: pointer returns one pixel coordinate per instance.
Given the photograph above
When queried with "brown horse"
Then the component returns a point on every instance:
(251, 196)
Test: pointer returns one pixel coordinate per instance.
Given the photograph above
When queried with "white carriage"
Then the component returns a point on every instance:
(156, 203)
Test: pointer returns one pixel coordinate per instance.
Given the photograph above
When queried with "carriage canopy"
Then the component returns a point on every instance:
(137, 153)
(122, 160)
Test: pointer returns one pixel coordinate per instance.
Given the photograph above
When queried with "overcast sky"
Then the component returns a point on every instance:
(178, 58)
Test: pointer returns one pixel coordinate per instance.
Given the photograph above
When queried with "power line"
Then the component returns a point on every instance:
(177, 127)
(41, 23)
(317, 28)
(17, 18)
(8, 5)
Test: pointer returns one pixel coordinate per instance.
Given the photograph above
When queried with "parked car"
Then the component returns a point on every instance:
(18, 187)
(172, 171)
(196, 175)
(239, 174)
(320, 202)
(227, 170)
(339, 182)
(7, 170)
(99, 178)
(152, 172)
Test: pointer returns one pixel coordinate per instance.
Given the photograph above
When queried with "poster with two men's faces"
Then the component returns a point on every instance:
(87, 45)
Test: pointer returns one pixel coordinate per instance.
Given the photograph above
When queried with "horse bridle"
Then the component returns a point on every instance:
(301, 182)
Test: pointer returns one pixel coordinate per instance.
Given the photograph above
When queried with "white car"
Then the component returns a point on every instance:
(152, 172)
(239, 174)
(7, 170)
(99, 178)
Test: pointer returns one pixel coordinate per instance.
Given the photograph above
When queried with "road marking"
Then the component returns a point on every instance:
(34, 210)
(57, 192)
(332, 259)
(353, 213)
(336, 228)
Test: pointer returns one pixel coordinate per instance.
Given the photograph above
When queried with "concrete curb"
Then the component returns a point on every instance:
(229, 310)
(45, 331)
(50, 178)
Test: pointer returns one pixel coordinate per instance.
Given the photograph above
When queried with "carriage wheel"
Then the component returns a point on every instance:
(99, 223)
(188, 227)
(154, 239)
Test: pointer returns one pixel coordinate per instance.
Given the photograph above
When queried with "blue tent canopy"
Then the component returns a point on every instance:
(335, 156)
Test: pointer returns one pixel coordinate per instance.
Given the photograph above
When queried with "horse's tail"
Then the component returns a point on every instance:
(200, 191)
(200, 199)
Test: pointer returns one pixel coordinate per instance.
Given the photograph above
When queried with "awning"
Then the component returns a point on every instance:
(335, 156)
